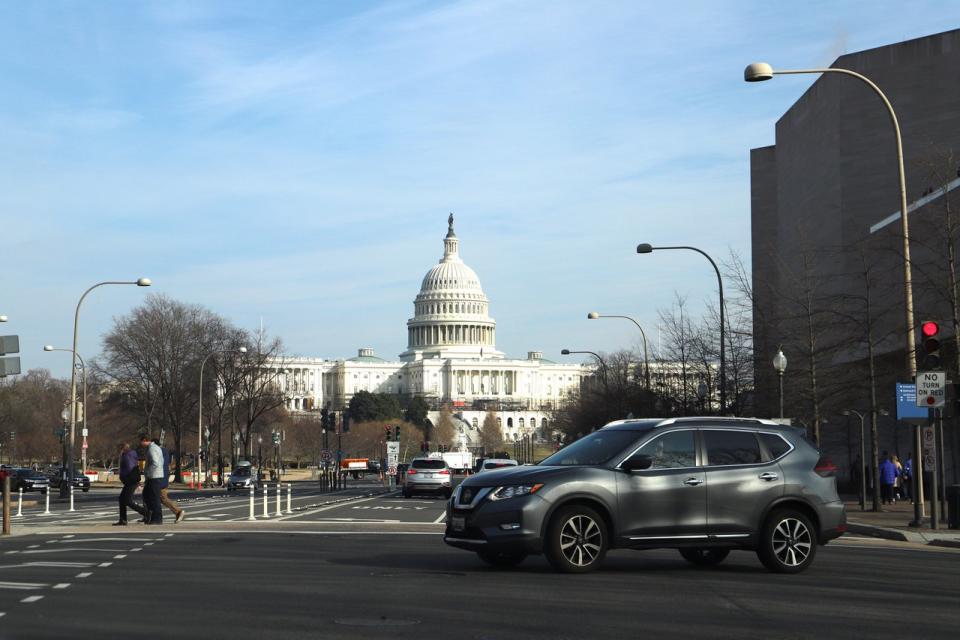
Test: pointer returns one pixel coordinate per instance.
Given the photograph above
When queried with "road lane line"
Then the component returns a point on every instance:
(137, 549)
(326, 508)
(443, 516)
(104, 564)
(85, 574)
(62, 585)
(25, 586)
(32, 599)
(120, 556)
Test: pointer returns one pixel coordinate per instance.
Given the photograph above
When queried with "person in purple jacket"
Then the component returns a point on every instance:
(130, 477)
(888, 478)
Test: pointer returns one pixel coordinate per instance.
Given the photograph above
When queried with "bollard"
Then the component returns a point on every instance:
(71, 498)
(19, 503)
(266, 498)
(46, 511)
(279, 491)
(289, 506)
(252, 506)
(6, 504)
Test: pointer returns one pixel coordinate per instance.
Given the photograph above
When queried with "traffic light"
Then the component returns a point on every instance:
(930, 345)
(396, 432)
(346, 422)
(386, 433)
(324, 418)
(332, 421)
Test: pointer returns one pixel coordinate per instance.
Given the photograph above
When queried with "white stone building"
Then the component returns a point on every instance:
(451, 358)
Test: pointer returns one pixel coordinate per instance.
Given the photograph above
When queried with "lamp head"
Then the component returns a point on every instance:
(242, 349)
(593, 315)
(884, 412)
(845, 412)
(144, 282)
(644, 248)
(3, 318)
(48, 347)
(565, 352)
(758, 72)
(780, 362)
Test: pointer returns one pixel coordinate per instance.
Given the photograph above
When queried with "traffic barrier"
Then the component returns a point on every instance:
(71, 498)
(252, 506)
(19, 503)
(279, 491)
(266, 497)
(46, 511)
(289, 491)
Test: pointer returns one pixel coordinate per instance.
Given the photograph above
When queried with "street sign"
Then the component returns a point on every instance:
(326, 455)
(9, 344)
(931, 389)
(929, 447)
(84, 432)
(393, 453)
(10, 366)
(907, 409)
(392, 470)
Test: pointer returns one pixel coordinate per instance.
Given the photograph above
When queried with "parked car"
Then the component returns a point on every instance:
(642, 484)
(496, 463)
(80, 480)
(427, 475)
(28, 480)
(244, 476)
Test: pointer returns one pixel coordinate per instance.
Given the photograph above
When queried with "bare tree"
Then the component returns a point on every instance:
(491, 436)
(257, 392)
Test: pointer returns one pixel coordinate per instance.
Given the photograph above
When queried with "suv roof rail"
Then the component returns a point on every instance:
(729, 420)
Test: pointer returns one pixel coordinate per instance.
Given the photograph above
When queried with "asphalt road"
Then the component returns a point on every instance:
(377, 578)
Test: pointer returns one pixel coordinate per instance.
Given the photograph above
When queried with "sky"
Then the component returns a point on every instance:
(293, 163)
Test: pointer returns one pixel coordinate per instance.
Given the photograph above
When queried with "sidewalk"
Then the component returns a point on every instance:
(892, 523)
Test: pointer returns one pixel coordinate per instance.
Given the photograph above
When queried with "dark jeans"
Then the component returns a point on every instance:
(886, 493)
(151, 499)
(126, 500)
(906, 486)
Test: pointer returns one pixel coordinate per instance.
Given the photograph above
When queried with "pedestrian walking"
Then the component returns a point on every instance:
(888, 477)
(130, 477)
(898, 483)
(906, 479)
(165, 500)
(153, 473)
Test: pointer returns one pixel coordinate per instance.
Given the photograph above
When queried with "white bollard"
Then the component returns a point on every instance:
(279, 492)
(252, 508)
(46, 511)
(71, 497)
(20, 504)
(266, 498)
(289, 491)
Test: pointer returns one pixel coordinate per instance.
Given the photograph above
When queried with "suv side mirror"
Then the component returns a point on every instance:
(637, 462)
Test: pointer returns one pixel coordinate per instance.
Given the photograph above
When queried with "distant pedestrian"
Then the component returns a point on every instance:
(898, 483)
(153, 473)
(165, 500)
(888, 477)
(906, 479)
(130, 477)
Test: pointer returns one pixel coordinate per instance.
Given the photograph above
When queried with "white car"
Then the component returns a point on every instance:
(496, 463)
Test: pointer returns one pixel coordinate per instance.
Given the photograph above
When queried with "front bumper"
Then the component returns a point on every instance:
(511, 526)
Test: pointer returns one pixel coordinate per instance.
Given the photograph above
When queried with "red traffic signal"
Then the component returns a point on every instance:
(929, 329)
(930, 347)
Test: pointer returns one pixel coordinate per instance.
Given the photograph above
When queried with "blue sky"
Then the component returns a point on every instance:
(296, 161)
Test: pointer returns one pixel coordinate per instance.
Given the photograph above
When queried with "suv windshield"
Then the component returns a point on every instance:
(429, 464)
(597, 448)
(241, 472)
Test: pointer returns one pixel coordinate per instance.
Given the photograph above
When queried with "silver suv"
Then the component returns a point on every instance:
(427, 475)
(704, 486)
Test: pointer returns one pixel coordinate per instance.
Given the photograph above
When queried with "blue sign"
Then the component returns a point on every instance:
(907, 408)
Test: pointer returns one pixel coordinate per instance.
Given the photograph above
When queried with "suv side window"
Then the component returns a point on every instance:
(776, 445)
(675, 450)
(726, 448)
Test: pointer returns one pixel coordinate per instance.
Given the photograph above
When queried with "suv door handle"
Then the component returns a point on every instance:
(693, 482)
(768, 476)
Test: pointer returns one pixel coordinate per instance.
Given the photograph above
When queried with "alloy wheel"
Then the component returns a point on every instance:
(581, 540)
(792, 542)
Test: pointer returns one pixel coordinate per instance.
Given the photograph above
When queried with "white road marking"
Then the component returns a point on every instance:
(10, 552)
(104, 540)
(147, 544)
(66, 550)
(33, 546)
(69, 535)
(62, 585)
(85, 574)
(166, 535)
(104, 564)
(443, 516)
(58, 564)
(27, 586)
(32, 598)
(326, 508)
(120, 556)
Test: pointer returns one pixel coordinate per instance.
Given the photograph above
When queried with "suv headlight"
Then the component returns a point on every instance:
(513, 491)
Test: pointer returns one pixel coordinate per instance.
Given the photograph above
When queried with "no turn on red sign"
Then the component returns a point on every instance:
(931, 388)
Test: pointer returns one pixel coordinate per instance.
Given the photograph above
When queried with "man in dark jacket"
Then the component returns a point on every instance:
(130, 477)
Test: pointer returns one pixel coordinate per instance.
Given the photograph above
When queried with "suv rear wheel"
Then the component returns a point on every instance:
(576, 540)
(704, 557)
(788, 542)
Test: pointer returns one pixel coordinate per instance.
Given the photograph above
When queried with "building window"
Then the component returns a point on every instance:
(475, 424)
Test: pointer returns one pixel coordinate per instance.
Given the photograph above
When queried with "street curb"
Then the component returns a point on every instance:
(886, 533)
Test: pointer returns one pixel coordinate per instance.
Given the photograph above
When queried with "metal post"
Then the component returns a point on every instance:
(19, 503)
(252, 506)
(863, 476)
(279, 490)
(266, 499)
(934, 499)
(6, 505)
(46, 511)
(781, 400)
(71, 496)
(289, 505)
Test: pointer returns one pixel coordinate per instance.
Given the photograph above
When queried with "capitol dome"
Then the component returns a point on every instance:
(451, 312)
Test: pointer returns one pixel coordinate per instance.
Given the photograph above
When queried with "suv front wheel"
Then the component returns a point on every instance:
(576, 540)
(788, 542)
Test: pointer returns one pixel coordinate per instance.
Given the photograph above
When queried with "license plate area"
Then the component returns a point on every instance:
(458, 523)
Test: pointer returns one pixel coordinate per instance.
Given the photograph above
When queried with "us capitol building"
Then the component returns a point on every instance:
(451, 358)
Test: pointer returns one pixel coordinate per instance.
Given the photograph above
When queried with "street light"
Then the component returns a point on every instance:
(86, 409)
(199, 465)
(140, 282)
(646, 248)
(603, 365)
(593, 315)
(760, 71)
(780, 365)
(3, 318)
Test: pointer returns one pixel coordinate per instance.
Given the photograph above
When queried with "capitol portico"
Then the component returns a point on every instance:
(451, 358)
